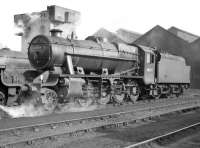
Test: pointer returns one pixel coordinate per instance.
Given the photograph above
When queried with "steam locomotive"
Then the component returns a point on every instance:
(12, 66)
(94, 70)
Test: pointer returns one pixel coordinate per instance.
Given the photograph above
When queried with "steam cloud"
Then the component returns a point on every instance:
(24, 110)
(30, 110)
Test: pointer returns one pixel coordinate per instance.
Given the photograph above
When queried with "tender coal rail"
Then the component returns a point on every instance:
(26, 130)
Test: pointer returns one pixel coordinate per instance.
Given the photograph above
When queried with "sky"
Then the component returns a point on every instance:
(135, 15)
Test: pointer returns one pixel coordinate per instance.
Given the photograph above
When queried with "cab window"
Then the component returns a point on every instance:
(150, 58)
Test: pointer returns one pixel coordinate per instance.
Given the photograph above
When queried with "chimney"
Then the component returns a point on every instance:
(56, 32)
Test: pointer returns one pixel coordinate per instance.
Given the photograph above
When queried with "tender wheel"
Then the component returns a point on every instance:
(2, 98)
(180, 91)
(157, 93)
(105, 98)
(49, 98)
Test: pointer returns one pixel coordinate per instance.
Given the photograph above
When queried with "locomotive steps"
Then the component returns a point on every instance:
(23, 130)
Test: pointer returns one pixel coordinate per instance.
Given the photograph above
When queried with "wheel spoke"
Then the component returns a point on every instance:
(119, 98)
(49, 98)
(134, 98)
(105, 98)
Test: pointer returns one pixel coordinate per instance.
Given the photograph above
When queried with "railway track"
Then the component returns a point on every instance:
(28, 130)
(165, 136)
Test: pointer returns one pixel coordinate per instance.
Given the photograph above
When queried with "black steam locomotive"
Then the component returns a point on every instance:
(93, 70)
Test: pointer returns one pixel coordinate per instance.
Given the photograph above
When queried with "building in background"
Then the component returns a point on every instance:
(127, 35)
(187, 36)
(49, 21)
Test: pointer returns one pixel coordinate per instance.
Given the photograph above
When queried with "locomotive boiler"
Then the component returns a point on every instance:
(49, 52)
(93, 70)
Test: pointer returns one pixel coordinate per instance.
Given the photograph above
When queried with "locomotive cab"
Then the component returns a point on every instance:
(149, 65)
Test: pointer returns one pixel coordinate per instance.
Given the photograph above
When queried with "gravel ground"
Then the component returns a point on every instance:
(125, 136)
(192, 141)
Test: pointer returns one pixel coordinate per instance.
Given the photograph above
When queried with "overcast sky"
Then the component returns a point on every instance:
(135, 15)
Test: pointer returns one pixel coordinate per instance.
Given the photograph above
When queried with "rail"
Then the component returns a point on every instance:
(163, 136)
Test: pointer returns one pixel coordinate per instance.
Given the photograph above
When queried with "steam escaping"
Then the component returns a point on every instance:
(19, 28)
(26, 19)
(33, 110)
(36, 103)
(75, 107)
(23, 23)
(24, 110)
